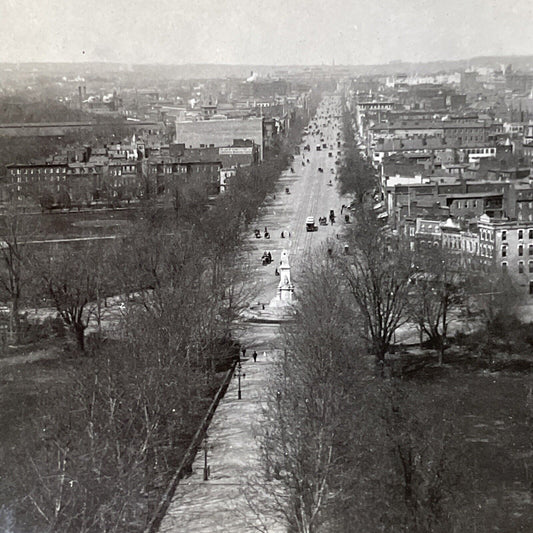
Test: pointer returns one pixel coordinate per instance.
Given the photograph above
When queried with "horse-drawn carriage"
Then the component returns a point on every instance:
(266, 258)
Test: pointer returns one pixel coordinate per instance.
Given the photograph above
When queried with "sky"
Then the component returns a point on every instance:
(262, 32)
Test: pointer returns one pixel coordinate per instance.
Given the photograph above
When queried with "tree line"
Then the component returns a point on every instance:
(353, 440)
(103, 444)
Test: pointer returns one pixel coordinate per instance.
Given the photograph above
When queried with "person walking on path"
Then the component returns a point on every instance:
(254, 355)
(243, 352)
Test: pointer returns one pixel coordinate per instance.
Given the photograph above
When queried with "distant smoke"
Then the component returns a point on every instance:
(253, 77)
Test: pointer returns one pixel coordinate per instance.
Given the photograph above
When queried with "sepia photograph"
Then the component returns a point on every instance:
(266, 266)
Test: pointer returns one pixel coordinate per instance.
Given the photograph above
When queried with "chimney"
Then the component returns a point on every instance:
(84, 92)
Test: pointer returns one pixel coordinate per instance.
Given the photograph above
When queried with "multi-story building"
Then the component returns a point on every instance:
(508, 245)
(219, 133)
(442, 150)
(32, 179)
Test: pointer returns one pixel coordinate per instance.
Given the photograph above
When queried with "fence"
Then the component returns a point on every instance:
(188, 458)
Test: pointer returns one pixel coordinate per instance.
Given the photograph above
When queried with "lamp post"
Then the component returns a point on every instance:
(206, 468)
(239, 373)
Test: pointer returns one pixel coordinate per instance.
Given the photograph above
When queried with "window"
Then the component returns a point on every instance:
(504, 251)
(531, 287)
(530, 267)
(531, 233)
(504, 267)
(520, 234)
(530, 249)
(520, 267)
(520, 250)
(504, 235)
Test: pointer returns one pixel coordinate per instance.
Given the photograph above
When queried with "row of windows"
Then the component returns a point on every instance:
(38, 171)
(51, 178)
(520, 250)
(521, 267)
(485, 250)
(520, 234)
(480, 150)
(467, 204)
(486, 235)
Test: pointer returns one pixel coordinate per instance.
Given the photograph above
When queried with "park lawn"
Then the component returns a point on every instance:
(494, 418)
(22, 386)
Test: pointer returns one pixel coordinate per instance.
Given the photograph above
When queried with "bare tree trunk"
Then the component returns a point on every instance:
(14, 321)
(443, 336)
(79, 331)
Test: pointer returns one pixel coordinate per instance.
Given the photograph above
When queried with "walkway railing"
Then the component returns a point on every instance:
(190, 454)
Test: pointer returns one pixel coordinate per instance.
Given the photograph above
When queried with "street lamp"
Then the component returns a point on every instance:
(239, 373)
(206, 468)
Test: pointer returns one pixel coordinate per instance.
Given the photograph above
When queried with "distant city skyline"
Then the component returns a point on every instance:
(288, 32)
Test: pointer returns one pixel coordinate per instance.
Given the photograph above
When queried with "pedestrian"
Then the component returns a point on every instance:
(282, 235)
(244, 352)
(254, 355)
(269, 257)
(264, 355)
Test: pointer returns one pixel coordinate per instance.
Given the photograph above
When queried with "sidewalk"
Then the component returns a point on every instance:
(221, 504)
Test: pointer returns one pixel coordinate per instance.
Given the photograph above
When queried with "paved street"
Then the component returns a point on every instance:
(224, 502)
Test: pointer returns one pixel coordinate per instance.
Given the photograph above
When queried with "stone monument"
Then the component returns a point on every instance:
(285, 287)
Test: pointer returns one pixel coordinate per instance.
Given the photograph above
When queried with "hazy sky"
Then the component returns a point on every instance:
(276, 32)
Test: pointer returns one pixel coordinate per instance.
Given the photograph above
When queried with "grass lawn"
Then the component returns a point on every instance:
(493, 411)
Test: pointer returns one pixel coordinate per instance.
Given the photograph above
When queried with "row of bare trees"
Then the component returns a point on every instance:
(396, 282)
(342, 450)
(102, 449)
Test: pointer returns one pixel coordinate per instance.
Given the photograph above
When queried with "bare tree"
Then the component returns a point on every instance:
(74, 282)
(114, 434)
(302, 418)
(437, 289)
(342, 451)
(378, 274)
(15, 258)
